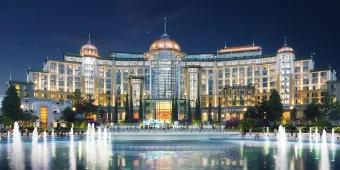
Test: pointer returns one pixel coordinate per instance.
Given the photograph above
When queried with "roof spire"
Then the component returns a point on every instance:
(285, 40)
(164, 34)
(89, 41)
(225, 44)
(253, 42)
(312, 55)
(10, 76)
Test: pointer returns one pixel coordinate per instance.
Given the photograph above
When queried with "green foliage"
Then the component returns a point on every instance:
(262, 109)
(219, 111)
(189, 118)
(246, 124)
(209, 111)
(83, 104)
(198, 116)
(322, 124)
(80, 125)
(312, 111)
(68, 114)
(11, 104)
(140, 110)
(293, 114)
(29, 117)
(115, 112)
(174, 116)
(128, 113)
(6, 121)
(275, 108)
(252, 113)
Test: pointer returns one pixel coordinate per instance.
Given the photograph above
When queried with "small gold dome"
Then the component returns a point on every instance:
(88, 49)
(285, 49)
(165, 43)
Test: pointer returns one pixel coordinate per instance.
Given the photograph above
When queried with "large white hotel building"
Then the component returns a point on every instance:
(237, 76)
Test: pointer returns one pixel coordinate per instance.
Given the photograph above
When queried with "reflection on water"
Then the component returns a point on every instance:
(105, 154)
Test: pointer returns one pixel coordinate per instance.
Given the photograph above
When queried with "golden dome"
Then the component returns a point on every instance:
(89, 50)
(165, 43)
(285, 49)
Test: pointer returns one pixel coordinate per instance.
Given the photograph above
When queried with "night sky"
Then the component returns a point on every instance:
(31, 30)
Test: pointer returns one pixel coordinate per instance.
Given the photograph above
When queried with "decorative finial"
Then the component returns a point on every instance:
(225, 44)
(253, 42)
(312, 55)
(164, 34)
(89, 41)
(10, 76)
(285, 38)
(329, 66)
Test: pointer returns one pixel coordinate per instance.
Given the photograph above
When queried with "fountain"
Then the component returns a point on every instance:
(281, 157)
(333, 136)
(105, 134)
(316, 135)
(324, 162)
(52, 134)
(99, 133)
(310, 134)
(300, 136)
(324, 136)
(17, 157)
(35, 134)
(71, 131)
(45, 136)
(267, 134)
(281, 135)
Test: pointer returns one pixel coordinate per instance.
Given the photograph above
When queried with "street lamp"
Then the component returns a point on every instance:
(73, 109)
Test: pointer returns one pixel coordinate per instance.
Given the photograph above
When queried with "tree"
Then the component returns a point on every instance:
(140, 110)
(189, 118)
(293, 114)
(219, 111)
(11, 104)
(128, 115)
(77, 101)
(252, 112)
(312, 111)
(209, 111)
(68, 114)
(334, 115)
(174, 116)
(275, 108)
(198, 116)
(115, 110)
(88, 105)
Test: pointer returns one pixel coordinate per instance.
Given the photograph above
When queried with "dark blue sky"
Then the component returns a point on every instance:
(32, 29)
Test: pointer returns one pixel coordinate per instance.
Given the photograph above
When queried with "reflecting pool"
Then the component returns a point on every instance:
(74, 153)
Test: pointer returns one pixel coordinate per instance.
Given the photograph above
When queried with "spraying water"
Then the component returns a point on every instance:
(316, 135)
(300, 136)
(333, 136)
(71, 131)
(281, 135)
(16, 154)
(324, 136)
(35, 134)
(52, 134)
(267, 134)
(45, 136)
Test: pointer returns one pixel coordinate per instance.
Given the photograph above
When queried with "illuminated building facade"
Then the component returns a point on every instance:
(238, 76)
